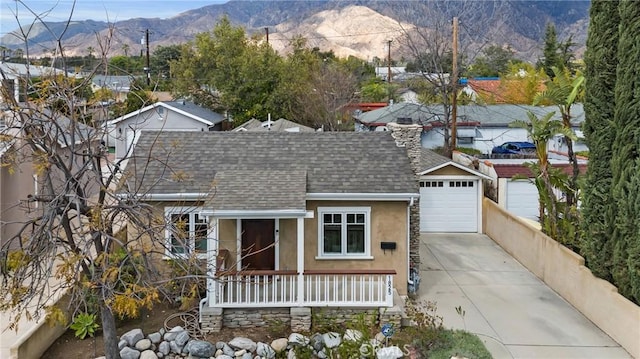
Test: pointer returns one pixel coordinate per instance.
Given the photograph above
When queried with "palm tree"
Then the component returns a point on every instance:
(125, 48)
(541, 131)
(563, 91)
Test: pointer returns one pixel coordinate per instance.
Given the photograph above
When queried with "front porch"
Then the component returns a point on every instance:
(311, 288)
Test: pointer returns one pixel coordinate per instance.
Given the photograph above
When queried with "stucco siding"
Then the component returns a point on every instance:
(153, 120)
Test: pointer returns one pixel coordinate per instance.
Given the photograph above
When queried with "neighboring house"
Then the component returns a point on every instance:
(512, 184)
(166, 116)
(295, 220)
(478, 127)
(18, 176)
(118, 85)
(382, 72)
(280, 125)
(14, 73)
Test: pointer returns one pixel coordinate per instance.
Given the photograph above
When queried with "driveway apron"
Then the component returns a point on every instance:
(510, 309)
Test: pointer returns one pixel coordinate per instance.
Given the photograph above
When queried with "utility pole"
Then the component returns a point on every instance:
(266, 30)
(147, 68)
(454, 81)
(389, 61)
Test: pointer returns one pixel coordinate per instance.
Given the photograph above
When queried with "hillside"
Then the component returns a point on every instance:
(360, 28)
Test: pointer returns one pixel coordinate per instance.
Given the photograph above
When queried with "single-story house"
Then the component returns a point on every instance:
(479, 127)
(291, 221)
(180, 115)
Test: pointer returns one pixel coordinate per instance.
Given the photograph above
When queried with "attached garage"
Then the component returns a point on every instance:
(450, 195)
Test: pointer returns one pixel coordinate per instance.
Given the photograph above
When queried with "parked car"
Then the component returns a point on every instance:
(516, 148)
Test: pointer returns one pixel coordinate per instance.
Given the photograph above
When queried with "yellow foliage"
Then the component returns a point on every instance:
(55, 316)
(67, 267)
(110, 274)
(134, 297)
(16, 259)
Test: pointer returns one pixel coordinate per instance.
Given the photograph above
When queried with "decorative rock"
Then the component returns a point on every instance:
(243, 343)
(220, 345)
(148, 354)
(132, 336)
(265, 351)
(155, 337)
(143, 345)
(164, 348)
(174, 347)
(128, 353)
(352, 335)
(247, 356)
(240, 353)
(162, 331)
(182, 338)
(160, 355)
(322, 354)
(392, 352)
(173, 333)
(218, 353)
(279, 345)
(200, 348)
(291, 354)
(122, 343)
(223, 356)
(316, 342)
(227, 350)
(380, 337)
(299, 339)
(332, 339)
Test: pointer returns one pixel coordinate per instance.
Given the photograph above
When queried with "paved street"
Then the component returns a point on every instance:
(513, 311)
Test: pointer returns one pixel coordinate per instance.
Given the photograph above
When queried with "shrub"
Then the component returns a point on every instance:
(84, 324)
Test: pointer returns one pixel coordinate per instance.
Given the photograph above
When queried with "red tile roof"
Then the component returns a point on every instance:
(510, 170)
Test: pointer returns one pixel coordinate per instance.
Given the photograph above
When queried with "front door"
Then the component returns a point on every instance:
(258, 244)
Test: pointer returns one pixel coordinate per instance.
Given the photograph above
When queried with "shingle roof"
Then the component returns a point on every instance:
(196, 110)
(510, 170)
(259, 190)
(487, 116)
(335, 162)
(430, 159)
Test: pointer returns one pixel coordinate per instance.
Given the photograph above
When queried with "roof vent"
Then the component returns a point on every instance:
(404, 120)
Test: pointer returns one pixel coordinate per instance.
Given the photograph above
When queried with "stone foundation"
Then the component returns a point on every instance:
(299, 319)
(253, 318)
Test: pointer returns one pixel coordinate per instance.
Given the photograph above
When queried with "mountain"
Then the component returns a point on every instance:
(355, 27)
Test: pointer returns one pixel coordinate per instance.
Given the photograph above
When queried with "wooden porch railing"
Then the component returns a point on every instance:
(332, 288)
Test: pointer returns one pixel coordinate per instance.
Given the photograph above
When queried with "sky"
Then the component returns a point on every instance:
(99, 10)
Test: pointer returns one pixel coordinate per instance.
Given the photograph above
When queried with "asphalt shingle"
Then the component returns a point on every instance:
(334, 162)
(258, 190)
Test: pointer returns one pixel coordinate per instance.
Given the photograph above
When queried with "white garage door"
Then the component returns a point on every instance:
(522, 199)
(449, 205)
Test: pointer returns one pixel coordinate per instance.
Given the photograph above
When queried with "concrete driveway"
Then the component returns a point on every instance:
(511, 310)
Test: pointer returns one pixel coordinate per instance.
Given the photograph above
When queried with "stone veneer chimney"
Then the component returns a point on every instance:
(408, 136)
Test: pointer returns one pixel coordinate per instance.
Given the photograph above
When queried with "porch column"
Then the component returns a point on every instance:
(212, 261)
(300, 261)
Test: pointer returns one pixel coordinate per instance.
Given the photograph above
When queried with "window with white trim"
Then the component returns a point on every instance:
(344, 232)
(186, 231)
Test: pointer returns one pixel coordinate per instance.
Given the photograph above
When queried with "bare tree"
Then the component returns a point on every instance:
(332, 88)
(83, 230)
(429, 45)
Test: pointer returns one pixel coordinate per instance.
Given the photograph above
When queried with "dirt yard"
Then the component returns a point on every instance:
(70, 347)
